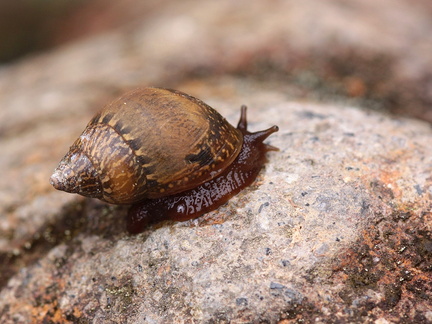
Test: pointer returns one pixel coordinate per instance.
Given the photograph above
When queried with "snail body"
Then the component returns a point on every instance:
(168, 154)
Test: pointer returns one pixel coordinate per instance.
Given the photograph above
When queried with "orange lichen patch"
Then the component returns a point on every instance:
(384, 176)
(49, 312)
(389, 179)
(285, 321)
(392, 258)
(77, 313)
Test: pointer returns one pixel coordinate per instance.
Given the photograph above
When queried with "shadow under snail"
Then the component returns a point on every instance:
(168, 154)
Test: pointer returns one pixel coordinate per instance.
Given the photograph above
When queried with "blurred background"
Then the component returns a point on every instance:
(31, 26)
(374, 54)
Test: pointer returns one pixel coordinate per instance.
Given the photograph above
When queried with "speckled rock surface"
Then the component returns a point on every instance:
(337, 226)
(343, 180)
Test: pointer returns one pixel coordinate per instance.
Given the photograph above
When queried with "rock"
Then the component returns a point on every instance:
(337, 226)
(339, 219)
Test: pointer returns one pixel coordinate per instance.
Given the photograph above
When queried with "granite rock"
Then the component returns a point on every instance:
(345, 183)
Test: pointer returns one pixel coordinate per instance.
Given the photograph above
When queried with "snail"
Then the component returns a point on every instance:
(166, 153)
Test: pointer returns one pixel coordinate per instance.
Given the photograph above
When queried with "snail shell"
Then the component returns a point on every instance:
(149, 143)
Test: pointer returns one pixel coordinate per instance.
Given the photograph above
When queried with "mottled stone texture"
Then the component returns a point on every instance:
(337, 228)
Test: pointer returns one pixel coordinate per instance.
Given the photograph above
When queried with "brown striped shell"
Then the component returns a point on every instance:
(149, 143)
